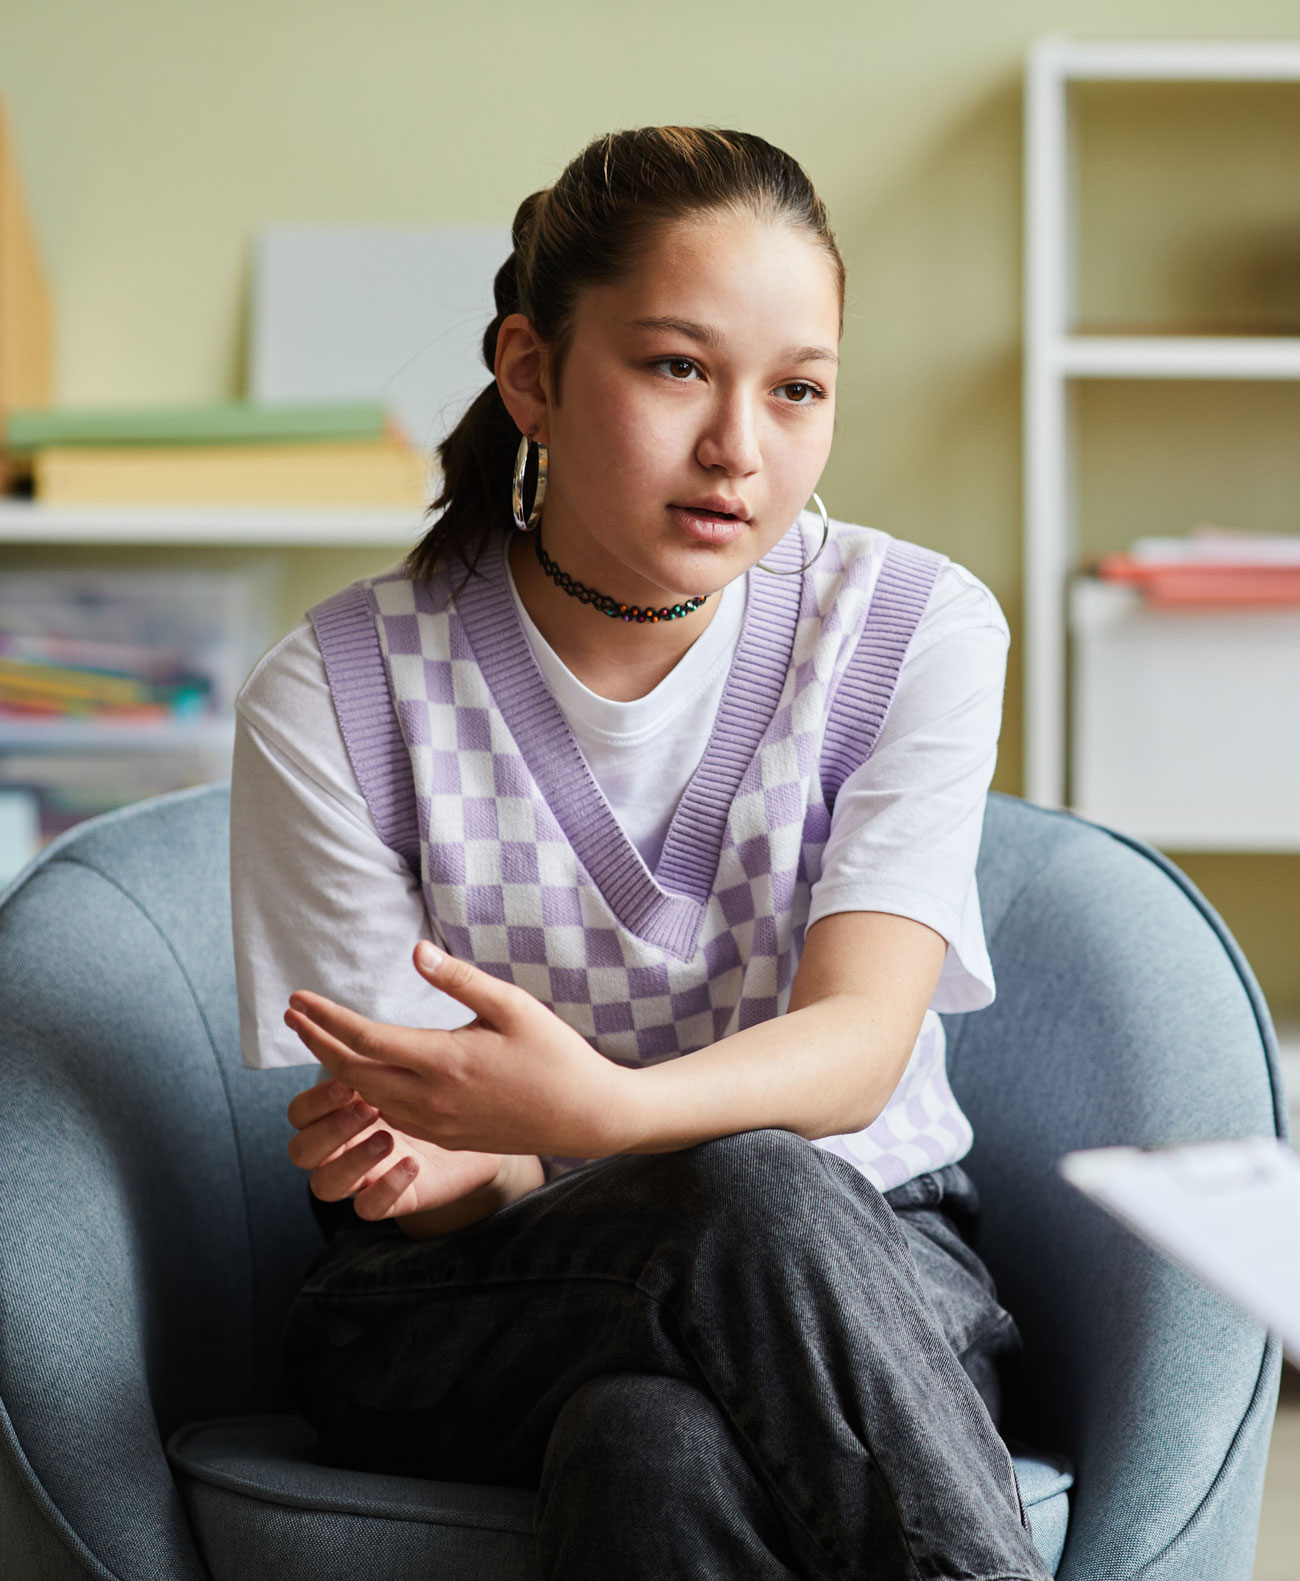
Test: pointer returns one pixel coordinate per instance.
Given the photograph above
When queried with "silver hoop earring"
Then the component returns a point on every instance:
(826, 532)
(539, 493)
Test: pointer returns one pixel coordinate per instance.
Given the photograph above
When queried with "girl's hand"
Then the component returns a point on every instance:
(351, 1153)
(517, 1080)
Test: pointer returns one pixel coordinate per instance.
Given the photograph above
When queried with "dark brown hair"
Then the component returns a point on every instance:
(584, 231)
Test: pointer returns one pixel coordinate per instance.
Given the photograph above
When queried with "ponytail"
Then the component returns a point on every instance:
(476, 460)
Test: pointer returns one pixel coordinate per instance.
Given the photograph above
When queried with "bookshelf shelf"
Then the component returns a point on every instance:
(309, 527)
(1256, 60)
(94, 735)
(1176, 357)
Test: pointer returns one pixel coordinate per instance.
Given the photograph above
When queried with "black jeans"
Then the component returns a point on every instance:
(736, 1360)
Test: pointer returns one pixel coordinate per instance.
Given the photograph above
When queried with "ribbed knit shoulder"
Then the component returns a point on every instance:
(348, 638)
(860, 702)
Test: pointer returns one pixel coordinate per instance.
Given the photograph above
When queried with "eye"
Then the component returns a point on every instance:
(798, 393)
(680, 369)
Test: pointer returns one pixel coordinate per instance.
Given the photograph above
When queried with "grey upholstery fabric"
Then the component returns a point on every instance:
(152, 1228)
(1125, 1013)
(260, 1503)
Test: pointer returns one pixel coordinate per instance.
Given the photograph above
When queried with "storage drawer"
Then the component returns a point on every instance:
(1185, 725)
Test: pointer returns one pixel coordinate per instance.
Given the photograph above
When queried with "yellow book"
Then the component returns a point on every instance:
(25, 325)
(55, 686)
(384, 471)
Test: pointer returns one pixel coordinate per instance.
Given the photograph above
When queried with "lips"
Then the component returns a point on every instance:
(708, 523)
(716, 506)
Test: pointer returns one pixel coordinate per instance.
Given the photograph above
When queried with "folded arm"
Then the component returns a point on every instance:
(827, 1066)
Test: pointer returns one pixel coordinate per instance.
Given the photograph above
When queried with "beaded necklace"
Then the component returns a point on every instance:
(603, 602)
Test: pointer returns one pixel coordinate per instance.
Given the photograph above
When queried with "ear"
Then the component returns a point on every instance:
(522, 376)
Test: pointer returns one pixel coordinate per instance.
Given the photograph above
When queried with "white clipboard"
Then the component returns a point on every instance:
(1227, 1210)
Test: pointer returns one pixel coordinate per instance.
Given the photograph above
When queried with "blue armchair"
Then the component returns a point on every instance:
(152, 1230)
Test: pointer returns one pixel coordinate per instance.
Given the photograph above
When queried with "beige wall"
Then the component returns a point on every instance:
(156, 136)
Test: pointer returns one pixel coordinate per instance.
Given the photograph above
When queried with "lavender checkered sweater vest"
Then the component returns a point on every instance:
(470, 771)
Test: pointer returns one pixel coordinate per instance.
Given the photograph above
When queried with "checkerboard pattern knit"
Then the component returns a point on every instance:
(470, 770)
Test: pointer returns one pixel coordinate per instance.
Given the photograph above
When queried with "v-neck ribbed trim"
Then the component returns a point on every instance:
(665, 908)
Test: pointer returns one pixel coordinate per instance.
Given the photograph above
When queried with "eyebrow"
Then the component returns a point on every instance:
(707, 335)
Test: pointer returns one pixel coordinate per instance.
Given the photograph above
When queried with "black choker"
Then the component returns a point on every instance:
(605, 604)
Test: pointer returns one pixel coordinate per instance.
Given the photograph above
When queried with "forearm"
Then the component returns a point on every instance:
(519, 1174)
(822, 1070)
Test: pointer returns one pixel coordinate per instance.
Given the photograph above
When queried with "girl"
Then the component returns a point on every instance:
(671, 790)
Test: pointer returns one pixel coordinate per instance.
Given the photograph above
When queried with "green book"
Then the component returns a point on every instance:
(227, 422)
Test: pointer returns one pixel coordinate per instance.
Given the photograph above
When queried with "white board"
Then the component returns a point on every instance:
(386, 313)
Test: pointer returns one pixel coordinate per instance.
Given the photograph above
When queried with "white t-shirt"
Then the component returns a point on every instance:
(319, 902)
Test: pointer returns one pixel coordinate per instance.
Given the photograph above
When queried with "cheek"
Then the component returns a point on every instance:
(799, 451)
(627, 439)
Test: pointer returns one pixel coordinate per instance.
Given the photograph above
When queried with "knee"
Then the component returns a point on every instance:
(643, 1478)
(627, 1432)
(633, 1458)
(770, 1166)
(770, 1181)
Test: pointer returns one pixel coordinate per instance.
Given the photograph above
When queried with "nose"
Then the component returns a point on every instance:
(729, 440)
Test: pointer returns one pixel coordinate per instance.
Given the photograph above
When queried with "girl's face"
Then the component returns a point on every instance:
(695, 409)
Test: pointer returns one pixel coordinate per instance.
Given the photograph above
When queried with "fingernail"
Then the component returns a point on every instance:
(430, 955)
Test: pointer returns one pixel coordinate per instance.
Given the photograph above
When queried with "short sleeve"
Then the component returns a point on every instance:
(906, 826)
(318, 901)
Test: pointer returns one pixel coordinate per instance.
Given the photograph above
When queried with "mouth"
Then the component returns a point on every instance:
(715, 508)
(710, 524)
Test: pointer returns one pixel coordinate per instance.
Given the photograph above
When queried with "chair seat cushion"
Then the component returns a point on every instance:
(262, 1505)
(1045, 1483)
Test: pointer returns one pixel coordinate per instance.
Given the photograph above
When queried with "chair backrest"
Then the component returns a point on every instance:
(152, 1228)
(1125, 1013)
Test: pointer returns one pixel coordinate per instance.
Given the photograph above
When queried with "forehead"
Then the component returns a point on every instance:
(749, 277)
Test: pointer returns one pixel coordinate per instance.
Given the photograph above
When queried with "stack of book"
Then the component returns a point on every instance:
(57, 677)
(1211, 568)
(230, 453)
(131, 675)
(118, 647)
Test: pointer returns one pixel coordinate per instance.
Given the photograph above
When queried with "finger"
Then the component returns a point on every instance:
(380, 1200)
(374, 1040)
(317, 1143)
(489, 998)
(349, 1171)
(315, 1102)
(355, 1070)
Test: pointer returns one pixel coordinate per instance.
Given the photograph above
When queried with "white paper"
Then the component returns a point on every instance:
(20, 830)
(1229, 1211)
(1219, 545)
(386, 313)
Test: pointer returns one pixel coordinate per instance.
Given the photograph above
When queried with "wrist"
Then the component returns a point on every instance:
(518, 1174)
(629, 1118)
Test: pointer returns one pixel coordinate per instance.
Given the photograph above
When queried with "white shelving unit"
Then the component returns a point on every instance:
(1056, 356)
